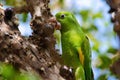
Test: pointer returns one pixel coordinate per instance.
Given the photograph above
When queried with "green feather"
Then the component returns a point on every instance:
(76, 50)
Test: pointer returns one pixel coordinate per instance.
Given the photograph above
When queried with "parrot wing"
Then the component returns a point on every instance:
(86, 52)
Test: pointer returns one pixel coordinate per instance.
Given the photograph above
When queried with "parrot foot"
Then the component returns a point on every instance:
(67, 73)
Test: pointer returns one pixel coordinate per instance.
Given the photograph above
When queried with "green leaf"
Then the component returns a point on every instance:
(24, 17)
(112, 50)
(92, 27)
(26, 76)
(85, 14)
(61, 3)
(102, 77)
(97, 15)
(10, 2)
(105, 61)
(7, 71)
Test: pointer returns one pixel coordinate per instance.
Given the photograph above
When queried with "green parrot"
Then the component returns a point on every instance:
(76, 51)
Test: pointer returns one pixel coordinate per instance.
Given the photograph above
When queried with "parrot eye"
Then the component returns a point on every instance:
(62, 16)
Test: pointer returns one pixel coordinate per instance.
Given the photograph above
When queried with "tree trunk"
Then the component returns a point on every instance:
(115, 19)
(36, 53)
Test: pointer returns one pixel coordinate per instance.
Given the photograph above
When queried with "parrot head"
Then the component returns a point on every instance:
(66, 19)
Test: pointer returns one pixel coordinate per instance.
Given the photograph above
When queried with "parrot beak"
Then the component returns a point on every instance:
(55, 23)
(58, 26)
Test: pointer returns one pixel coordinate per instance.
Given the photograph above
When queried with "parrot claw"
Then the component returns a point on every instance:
(67, 72)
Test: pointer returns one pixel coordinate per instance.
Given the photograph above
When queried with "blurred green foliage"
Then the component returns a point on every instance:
(8, 72)
(24, 17)
(103, 77)
(104, 61)
(112, 50)
(15, 3)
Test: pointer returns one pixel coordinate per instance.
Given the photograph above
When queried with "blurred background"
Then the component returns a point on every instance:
(95, 21)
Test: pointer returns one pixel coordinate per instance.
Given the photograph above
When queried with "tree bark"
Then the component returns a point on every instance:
(115, 19)
(36, 53)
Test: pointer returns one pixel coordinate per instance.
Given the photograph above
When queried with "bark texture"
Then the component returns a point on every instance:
(115, 19)
(36, 53)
